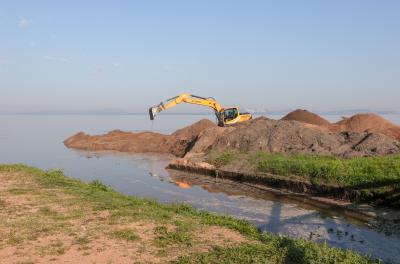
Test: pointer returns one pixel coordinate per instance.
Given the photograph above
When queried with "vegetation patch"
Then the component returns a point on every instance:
(374, 180)
(275, 250)
(126, 234)
(220, 159)
(82, 240)
(360, 172)
(181, 235)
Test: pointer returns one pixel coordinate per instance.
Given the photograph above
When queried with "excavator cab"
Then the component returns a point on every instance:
(229, 114)
(232, 115)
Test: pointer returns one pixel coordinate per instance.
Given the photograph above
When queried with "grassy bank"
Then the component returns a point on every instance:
(46, 216)
(360, 171)
(352, 172)
(369, 179)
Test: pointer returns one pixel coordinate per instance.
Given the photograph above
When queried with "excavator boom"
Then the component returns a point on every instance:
(184, 98)
(224, 116)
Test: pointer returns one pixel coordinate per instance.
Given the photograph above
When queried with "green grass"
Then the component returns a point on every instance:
(360, 172)
(82, 240)
(181, 235)
(220, 159)
(181, 221)
(374, 180)
(276, 250)
(126, 234)
(355, 172)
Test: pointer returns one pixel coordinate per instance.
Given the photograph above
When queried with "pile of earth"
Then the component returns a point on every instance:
(142, 142)
(366, 122)
(369, 123)
(259, 134)
(307, 117)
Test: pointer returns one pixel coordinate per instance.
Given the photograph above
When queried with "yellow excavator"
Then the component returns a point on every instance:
(225, 115)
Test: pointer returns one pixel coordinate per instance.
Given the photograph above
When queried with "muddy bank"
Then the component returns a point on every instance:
(362, 212)
(259, 134)
(367, 205)
(242, 173)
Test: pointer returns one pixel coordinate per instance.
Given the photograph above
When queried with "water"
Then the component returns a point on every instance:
(36, 140)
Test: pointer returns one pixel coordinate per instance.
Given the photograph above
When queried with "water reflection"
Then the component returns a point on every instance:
(278, 213)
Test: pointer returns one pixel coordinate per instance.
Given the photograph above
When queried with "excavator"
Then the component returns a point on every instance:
(225, 115)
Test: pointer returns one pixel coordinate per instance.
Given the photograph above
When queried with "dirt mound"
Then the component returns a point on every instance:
(121, 141)
(368, 123)
(305, 116)
(281, 136)
(259, 134)
(192, 131)
(358, 123)
(206, 139)
(183, 139)
(267, 135)
(177, 143)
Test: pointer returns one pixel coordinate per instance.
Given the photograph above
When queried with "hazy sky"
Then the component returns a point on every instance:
(128, 55)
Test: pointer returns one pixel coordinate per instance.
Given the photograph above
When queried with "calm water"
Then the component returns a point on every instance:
(36, 140)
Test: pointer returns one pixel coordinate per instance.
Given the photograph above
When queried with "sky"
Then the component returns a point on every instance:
(78, 56)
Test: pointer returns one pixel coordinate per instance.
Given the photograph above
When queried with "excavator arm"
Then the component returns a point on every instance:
(185, 98)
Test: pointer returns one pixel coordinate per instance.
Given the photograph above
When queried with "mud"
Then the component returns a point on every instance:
(259, 134)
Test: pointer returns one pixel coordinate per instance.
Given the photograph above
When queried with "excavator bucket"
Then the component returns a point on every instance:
(152, 112)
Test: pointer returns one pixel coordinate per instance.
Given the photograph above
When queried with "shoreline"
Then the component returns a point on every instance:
(296, 190)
